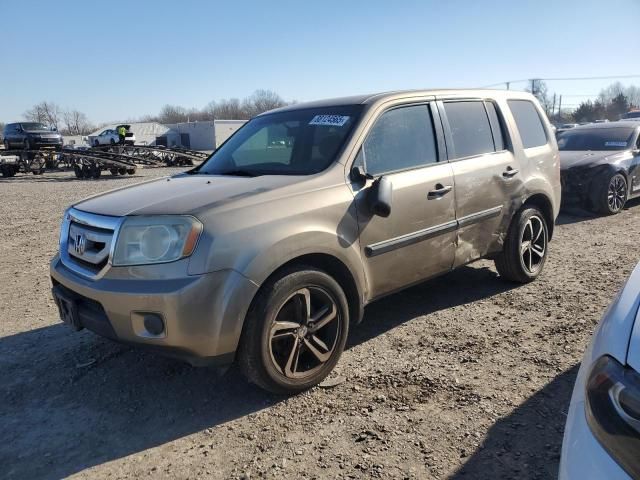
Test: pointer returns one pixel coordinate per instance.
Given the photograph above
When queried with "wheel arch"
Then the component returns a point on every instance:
(334, 267)
(543, 203)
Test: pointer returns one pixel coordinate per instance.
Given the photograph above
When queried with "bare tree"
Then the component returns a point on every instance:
(261, 101)
(228, 110)
(45, 112)
(76, 123)
(539, 90)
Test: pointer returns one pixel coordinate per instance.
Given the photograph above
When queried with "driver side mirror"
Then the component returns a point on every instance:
(379, 197)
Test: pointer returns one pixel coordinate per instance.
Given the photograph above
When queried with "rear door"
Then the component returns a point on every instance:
(416, 240)
(486, 175)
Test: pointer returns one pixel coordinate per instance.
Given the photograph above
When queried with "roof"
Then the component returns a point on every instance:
(383, 96)
(616, 124)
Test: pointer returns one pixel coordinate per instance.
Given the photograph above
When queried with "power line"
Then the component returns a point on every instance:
(558, 79)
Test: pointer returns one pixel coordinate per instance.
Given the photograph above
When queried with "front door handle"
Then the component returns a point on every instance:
(510, 172)
(439, 191)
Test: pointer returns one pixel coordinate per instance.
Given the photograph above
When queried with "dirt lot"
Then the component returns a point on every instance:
(465, 376)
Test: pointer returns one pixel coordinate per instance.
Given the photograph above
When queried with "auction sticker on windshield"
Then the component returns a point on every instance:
(331, 120)
(615, 144)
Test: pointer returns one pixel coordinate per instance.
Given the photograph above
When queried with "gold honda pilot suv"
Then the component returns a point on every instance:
(268, 251)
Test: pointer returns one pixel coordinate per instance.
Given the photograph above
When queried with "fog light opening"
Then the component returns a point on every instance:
(153, 324)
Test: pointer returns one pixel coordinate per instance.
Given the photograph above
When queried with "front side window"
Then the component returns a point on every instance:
(295, 142)
(528, 122)
(401, 138)
(470, 128)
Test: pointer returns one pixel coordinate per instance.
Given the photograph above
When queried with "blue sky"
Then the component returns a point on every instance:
(119, 65)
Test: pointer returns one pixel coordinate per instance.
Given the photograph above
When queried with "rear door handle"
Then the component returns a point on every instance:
(439, 191)
(510, 172)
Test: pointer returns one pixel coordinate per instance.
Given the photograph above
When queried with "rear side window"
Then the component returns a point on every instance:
(470, 128)
(400, 139)
(529, 123)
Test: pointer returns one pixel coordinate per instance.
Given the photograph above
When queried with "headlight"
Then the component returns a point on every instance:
(613, 411)
(161, 239)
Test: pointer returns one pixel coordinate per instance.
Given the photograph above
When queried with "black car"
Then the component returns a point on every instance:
(600, 165)
(30, 136)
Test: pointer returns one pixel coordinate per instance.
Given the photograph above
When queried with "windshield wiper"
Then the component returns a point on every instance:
(237, 173)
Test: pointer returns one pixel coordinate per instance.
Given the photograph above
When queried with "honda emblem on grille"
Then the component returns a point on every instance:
(81, 243)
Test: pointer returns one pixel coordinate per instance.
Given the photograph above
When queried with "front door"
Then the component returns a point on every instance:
(486, 174)
(416, 241)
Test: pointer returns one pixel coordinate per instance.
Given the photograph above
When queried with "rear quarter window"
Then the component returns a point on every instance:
(529, 123)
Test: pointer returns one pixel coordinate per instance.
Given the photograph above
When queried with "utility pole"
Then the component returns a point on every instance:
(533, 90)
(560, 108)
(508, 83)
(553, 109)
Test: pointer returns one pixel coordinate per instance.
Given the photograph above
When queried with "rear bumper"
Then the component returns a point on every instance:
(202, 314)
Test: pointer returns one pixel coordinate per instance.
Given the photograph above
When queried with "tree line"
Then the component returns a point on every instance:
(74, 122)
(611, 103)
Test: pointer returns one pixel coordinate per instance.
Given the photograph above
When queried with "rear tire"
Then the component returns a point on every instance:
(525, 248)
(611, 194)
(295, 331)
(95, 171)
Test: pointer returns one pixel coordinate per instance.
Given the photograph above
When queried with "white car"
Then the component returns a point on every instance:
(110, 137)
(602, 434)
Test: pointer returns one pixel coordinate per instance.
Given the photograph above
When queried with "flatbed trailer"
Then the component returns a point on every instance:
(157, 155)
(90, 162)
(24, 161)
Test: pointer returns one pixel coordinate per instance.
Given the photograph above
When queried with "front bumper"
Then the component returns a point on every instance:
(575, 189)
(39, 143)
(202, 314)
(583, 458)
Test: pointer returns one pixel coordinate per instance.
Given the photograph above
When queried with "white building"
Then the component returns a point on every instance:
(205, 135)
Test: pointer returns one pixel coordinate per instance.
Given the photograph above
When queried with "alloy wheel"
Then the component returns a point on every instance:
(533, 244)
(617, 193)
(304, 333)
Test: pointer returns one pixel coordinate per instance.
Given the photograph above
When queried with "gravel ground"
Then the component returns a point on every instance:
(465, 376)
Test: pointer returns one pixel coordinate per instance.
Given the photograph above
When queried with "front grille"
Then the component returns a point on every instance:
(89, 245)
(86, 242)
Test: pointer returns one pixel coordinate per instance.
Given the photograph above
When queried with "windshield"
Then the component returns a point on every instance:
(596, 139)
(34, 126)
(297, 142)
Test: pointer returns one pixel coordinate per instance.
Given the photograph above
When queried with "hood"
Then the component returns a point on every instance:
(182, 194)
(589, 158)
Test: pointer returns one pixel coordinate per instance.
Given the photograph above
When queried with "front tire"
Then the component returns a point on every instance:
(526, 246)
(611, 196)
(295, 331)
